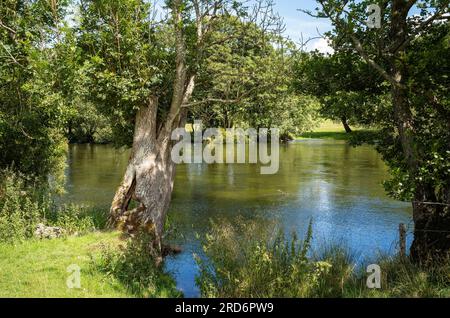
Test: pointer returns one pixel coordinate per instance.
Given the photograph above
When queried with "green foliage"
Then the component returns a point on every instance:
(247, 260)
(125, 59)
(414, 129)
(32, 95)
(25, 202)
(135, 267)
(73, 219)
(347, 88)
(128, 58)
(87, 125)
(428, 98)
(247, 81)
(21, 207)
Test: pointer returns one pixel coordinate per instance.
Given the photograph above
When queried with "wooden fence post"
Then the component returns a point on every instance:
(402, 232)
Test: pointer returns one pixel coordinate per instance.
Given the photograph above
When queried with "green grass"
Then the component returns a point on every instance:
(330, 130)
(248, 268)
(109, 267)
(250, 260)
(39, 268)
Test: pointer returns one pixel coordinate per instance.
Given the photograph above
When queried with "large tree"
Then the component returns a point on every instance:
(248, 82)
(142, 72)
(35, 76)
(410, 52)
(344, 84)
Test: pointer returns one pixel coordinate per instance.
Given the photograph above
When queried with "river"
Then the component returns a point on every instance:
(338, 186)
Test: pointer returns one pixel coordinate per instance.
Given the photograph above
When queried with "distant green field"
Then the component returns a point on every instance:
(330, 126)
(330, 130)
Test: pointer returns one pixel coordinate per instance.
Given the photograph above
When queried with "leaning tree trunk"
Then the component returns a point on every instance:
(346, 125)
(148, 179)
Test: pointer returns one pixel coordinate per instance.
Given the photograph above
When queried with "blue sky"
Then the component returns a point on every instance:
(298, 23)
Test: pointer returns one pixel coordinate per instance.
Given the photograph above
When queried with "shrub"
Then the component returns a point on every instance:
(21, 207)
(135, 266)
(25, 202)
(74, 219)
(249, 261)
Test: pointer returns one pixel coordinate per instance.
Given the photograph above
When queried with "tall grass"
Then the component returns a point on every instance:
(25, 202)
(135, 267)
(401, 278)
(22, 206)
(249, 260)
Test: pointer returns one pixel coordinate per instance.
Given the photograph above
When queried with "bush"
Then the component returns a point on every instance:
(135, 266)
(25, 202)
(21, 207)
(74, 219)
(249, 260)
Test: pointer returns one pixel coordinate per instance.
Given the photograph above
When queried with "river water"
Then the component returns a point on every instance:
(337, 186)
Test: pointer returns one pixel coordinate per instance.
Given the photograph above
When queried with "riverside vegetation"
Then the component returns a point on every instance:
(245, 259)
(112, 71)
(37, 268)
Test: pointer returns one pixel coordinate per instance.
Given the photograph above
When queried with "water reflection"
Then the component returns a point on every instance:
(336, 185)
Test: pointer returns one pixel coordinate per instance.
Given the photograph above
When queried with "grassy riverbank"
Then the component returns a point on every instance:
(257, 261)
(332, 130)
(39, 269)
(243, 259)
(258, 268)
(42, 243)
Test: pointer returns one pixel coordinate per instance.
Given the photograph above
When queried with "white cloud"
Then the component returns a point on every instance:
(321, 45)
(304, 28)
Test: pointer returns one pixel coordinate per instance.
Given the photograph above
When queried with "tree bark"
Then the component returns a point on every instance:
(148, 179)
(346, 125)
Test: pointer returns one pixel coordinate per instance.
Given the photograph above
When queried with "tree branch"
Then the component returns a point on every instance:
(371, 62)
(11, 56)
(358, 46)
(423, 26)
(7, 27)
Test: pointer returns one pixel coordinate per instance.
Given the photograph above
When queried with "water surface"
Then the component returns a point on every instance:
(338, 186)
